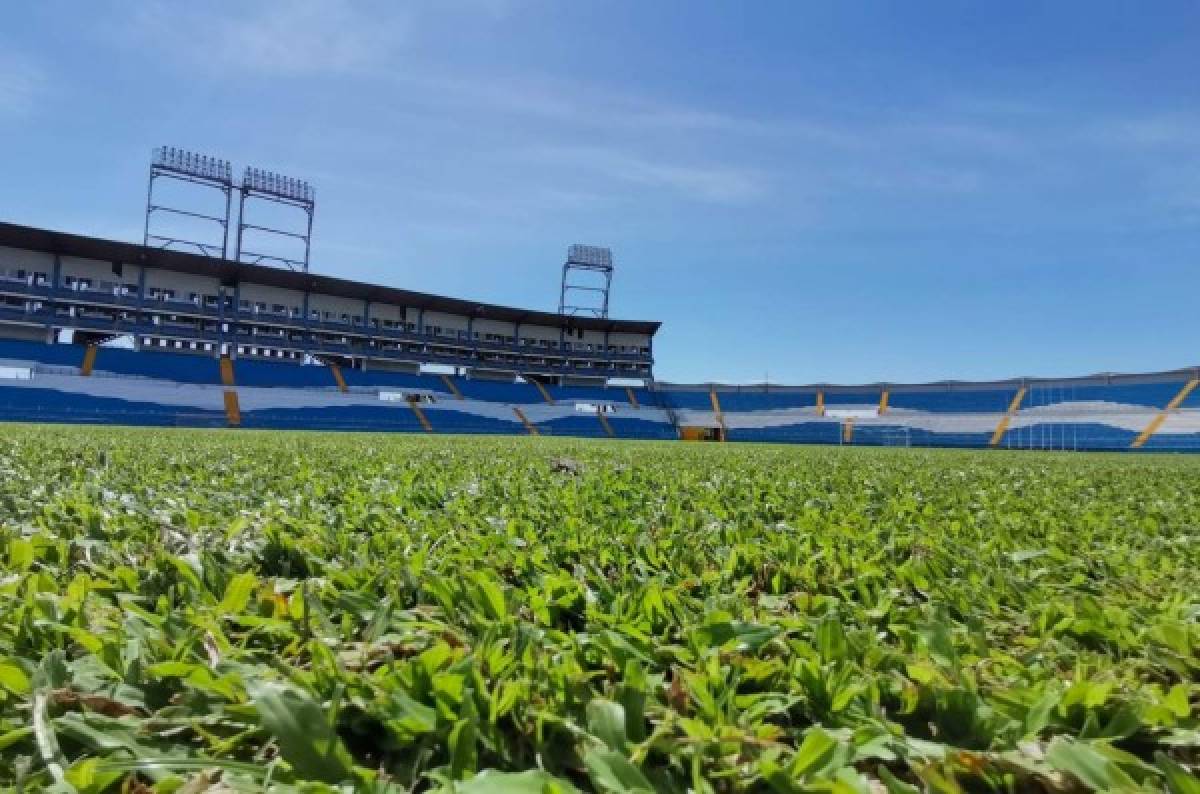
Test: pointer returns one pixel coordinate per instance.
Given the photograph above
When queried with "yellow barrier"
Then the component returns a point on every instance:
(89, 361)
(1157, 421)
(424, 420)
(545, 394)
(716, 406)
(226, 371)
(1002, 426)
(233, 413)
(337, 377)
(529, 426)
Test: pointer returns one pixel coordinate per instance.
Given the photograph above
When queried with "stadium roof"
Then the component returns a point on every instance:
(228, 271)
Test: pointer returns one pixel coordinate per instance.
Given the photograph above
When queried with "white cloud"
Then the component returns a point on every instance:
(21, 81)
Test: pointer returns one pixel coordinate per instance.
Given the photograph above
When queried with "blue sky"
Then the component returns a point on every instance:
(837, 192)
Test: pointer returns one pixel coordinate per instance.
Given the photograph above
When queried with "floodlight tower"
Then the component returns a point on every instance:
(170, 162)
(277, 189)
(585, 266)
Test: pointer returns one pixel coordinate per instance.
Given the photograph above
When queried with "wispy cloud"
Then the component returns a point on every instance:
(697, 181)
(21, 81)
(276, 37)
(1150, 131)
(592, 106)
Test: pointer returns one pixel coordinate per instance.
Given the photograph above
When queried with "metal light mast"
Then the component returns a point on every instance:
(588, 270)
(213, 173)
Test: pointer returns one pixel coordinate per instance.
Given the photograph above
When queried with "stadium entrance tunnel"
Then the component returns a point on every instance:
(693, 433)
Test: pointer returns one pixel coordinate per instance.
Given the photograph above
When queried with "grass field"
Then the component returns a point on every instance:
(205, 611)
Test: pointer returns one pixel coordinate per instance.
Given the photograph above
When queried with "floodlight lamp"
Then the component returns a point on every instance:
(192, 164)
(277, 184)
(591, 255)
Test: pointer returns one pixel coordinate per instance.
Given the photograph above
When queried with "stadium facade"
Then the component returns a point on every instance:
(99, 331)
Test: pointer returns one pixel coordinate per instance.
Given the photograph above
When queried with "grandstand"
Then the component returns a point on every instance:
(99, 331)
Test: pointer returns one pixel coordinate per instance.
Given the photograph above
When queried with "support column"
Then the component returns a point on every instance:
(307, 325)
(237, 308)
(52, 300)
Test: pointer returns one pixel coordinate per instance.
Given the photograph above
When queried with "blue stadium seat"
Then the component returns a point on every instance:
(448, 420)
(1173, 442)
(693, 400)
(756, 400)
(1068, 435)
(29, 404)
(1152, 395)
(393, 380)
(42, 353)
(585, 393)
(281, 374)
(584, 426)
(983, 401)
(853, 398)
(802, 433)
(178, 367)
(640, 429)
(499, 391)
(389, 418)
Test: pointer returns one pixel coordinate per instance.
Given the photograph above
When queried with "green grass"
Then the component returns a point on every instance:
(191, 610)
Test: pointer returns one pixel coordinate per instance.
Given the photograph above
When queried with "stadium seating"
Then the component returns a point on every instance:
(586, 394)
(40, 353)
(865, 398)
(28, 404)
(755, 400)
(48, 382)
(698, 400)
(1069, 436)
(984, 401)
(499, 391)
(642, 429)
(272, 374)
(445, 419)
(352, 417)
(584, 426)
(177, 367)
(391, 380)
(1152, 395)
(805, 433)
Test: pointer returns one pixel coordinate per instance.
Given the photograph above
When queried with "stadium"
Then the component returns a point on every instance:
(100, 331)
(340, 502)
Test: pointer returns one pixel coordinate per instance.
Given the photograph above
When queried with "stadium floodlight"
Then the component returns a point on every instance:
(271, 183)
(201, 166)
(592, 255)
(202, 171)
(259, 183)
(585, 266)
